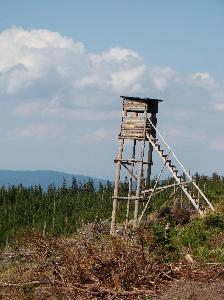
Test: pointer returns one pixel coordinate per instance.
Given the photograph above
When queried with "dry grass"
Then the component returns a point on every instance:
(93, 265)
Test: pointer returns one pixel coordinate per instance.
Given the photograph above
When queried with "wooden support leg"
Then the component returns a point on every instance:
(130, 186)
(116, 187)
(135, 221)
(149, 165)
(148, 176)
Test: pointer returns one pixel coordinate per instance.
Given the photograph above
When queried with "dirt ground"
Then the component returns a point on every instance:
(194, 290)
(178, 290)
(55, 269)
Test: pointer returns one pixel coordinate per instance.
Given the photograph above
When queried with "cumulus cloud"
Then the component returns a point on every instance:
(34, 131)
(48, 64)
(52, 88)
(46, 75)
(217, 144)
(162, 77)
(219, 106)
(116, 55)
(19, 46)
(96, 136)
(53, 108)
(204, 80)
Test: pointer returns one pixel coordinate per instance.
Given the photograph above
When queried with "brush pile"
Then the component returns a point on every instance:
(95, 265)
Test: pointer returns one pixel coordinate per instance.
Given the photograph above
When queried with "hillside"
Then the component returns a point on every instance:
(43, 178)
(145, 264)
(56, 245)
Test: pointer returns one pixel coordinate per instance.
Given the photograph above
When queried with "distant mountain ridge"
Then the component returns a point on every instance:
(43, 178)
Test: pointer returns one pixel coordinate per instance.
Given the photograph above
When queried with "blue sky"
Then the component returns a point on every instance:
(64, 64)
(185, 34)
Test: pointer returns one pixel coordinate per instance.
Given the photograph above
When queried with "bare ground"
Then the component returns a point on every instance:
(70, 269)
(194, 290)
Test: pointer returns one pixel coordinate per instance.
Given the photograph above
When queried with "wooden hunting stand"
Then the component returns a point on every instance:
(138, 128)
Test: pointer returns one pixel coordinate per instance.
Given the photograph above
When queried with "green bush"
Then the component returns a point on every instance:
(165, 245)
(193, 234)
(215, 220)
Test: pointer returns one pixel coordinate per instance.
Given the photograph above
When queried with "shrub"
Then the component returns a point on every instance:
(215, 220)
(194, 234)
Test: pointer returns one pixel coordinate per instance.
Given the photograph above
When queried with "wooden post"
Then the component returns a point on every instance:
(149, 169)
(116, 187)
(130, 186)
(138, 188)
(148, 176)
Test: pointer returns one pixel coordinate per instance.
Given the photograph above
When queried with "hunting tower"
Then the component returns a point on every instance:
(139, 133)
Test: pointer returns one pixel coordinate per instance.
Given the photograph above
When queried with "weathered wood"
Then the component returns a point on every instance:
(126, 198)
(135, 126)
(132, 136)
(161, 188)
(130, 185)
(116, 188)
(130, 161)
(140, 169)
(130, 172)
(138, 189)
(149, 169)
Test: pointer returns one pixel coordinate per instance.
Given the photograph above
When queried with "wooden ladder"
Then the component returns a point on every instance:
(168, 159)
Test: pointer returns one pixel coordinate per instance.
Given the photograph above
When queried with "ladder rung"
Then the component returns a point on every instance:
(174, 170)
(153, 140)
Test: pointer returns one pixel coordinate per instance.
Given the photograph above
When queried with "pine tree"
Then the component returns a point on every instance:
(74, 186)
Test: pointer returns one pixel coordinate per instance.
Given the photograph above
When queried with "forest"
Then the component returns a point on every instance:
(55, 244)
(62, 211)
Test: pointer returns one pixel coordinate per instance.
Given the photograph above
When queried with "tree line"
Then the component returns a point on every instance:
(62, 210)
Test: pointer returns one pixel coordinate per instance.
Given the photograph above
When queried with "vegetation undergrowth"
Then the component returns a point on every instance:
(56, 243)
(61, 211)
(92, 264)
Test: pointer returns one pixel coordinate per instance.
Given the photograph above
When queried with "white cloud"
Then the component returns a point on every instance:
(128, 78)
(44, 75)
(98, 135)
(42, 64)
(217, 144)
(53, 108)
(32, 108)
(204, 80)
(183, 134)
(208, 83)
(219, 106)
(34, 131)
(161, 77)
(53, 89)
(116, 55)
(20, 46)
